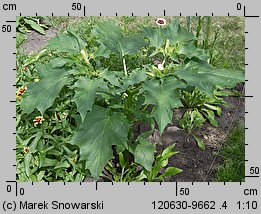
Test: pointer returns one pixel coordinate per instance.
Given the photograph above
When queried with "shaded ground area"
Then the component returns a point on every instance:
(36, 41)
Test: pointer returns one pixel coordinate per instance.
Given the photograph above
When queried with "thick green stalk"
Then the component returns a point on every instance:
(199, 27)
(188, 23)
(206, 40)
(124, 66)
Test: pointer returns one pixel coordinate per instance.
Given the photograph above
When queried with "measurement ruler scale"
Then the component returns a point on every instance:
(162, 197)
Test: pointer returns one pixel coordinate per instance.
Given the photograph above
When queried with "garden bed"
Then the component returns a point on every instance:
(198, 161)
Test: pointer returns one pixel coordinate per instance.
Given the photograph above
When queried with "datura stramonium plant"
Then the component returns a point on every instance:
(110, 87)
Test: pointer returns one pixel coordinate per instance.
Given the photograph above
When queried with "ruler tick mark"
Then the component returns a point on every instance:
(176, 189)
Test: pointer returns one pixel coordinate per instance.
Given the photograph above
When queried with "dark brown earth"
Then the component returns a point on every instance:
(199, 165)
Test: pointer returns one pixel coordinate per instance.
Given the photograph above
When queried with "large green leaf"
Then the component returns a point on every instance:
(206, 78)
(99, 131)
(155, 36)
(110, 76)
(165, 97)
(135, 77)
(85, 94)
(143, 152)
(110, 36)
(67, 42)
(174, 32)
(190, 51)
(41, 95)
(177, 34)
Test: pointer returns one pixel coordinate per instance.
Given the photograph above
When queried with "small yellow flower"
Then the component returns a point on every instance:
(26, 150)
(161, 22)
(38, 120)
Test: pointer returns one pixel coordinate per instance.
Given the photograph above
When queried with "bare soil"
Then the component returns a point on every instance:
(36, 41)
(199, 165)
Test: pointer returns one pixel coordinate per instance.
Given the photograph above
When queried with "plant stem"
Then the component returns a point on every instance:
(122, 174)
(188, 23)
(199, 27)
(206, 40)
(124, 66)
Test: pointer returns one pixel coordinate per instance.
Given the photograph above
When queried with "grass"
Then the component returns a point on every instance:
(233, 153)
